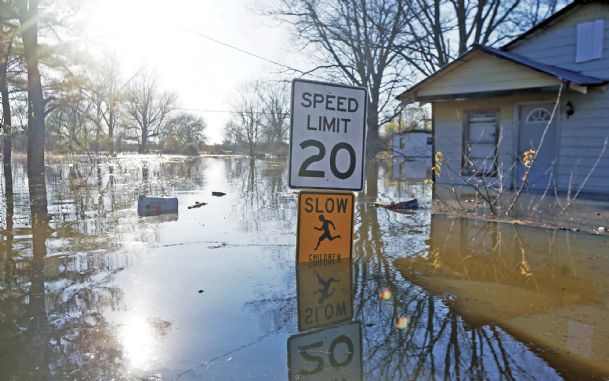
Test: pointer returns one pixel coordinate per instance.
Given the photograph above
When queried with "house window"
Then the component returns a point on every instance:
(589, 40)
(539, 115)
(480, 144)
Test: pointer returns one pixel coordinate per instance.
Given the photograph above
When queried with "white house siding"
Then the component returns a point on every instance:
(582, 135)
(482, 72)
(581, 140)
(412, 144)
(557, 44)
(448, 119)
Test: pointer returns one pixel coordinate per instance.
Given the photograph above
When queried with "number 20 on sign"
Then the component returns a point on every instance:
(328, 133)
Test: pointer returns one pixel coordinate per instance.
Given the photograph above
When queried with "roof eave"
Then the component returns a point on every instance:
(409, 96)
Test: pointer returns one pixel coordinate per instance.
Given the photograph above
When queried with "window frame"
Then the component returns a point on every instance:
(528, 118)
(589, 40)
(466, 169)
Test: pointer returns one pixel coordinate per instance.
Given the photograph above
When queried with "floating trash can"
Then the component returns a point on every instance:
(154, 206)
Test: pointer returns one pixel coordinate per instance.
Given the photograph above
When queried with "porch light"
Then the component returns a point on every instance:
(569, 109)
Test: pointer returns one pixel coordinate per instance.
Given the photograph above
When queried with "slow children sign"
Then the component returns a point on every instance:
(325, 227)
(327, 139)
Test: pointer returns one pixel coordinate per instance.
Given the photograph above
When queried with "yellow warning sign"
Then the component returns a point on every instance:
(324, 292)
(325, 226)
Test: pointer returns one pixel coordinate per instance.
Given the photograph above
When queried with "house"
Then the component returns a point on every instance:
(411, 155)
(542, 95)
(412, 144)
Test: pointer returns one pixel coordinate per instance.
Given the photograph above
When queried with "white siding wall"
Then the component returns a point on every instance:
(414, 144)
(581, 138)
(583, 134)
(482, 72)
(581, 141)
(448, 129)
(557, 44)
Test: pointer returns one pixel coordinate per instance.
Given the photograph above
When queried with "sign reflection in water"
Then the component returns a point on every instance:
(325, 298)
(324, 293)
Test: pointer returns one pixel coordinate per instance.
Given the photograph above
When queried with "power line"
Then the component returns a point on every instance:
(247, 52)
(226, 111)
(206, 110)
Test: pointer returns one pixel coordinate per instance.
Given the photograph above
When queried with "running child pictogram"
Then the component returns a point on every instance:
(325, 227)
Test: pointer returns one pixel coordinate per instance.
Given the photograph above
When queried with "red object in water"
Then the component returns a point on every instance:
(401, 207)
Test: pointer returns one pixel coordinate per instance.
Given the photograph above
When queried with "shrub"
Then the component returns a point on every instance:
(190, 150)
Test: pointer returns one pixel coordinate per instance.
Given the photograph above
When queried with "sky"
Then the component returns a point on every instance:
(206, 76)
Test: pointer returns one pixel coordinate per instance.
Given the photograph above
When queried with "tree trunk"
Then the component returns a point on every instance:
(373, 141)
(461, 25)
(38, 319)
(35, 131)
(6, 128)
(144, 142)
(111, 133)
(38, 198)
(6, 117)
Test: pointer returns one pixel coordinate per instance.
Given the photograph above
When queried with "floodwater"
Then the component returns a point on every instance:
(214, 293)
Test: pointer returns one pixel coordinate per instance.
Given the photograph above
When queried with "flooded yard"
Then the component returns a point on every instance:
(214, 292)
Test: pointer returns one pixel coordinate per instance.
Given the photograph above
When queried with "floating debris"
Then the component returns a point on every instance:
(218, 194)
(287, 195)
(197, 205)
(407, 206)
(153, 206)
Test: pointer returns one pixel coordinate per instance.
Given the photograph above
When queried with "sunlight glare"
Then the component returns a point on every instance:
(138, 340)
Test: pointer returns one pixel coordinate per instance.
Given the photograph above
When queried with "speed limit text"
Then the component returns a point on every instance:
(332, 103)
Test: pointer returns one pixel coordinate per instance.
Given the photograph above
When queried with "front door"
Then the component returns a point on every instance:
(533, 122)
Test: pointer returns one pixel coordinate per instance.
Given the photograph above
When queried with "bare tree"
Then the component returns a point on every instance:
(246, 127)
(148, 108)
(354, 40)
(276, 111)
(441, 30)
(109, 93)
(70, 122)
(187, 128)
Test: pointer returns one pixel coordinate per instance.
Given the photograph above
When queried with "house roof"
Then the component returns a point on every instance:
(555, 71)
(558, 72)
(550, 20)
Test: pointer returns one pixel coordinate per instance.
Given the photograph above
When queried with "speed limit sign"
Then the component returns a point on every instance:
(327, 136)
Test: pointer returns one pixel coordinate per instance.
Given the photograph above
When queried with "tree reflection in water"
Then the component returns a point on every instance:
(264, 203)
(267, 211)
(59, 254)
(57, 288)
(52, 305)
(436, 343)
